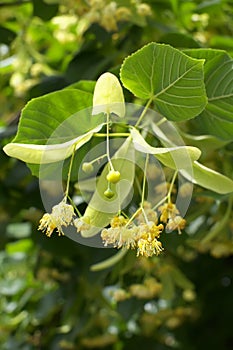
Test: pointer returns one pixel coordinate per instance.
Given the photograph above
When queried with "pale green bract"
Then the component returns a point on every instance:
(108, 96)
(209, 179)
(44, 154)
(174, 157)
(101, 210)
(178, 157)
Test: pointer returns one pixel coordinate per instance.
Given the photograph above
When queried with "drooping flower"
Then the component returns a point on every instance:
(168, 211)
(148, 247)
(177, 223)
(82, 223)
(120, 237)
(144, 236)
(150, 214)
(61, 215)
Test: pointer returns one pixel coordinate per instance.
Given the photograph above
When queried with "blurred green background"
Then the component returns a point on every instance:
(49, 298)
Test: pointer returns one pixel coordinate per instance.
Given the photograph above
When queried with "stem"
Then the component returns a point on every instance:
(171, 186)
(107, 144)
(73, 204)
(219, 225)
(116, 134)
(69, 173)
(144, 112)
(144, 214)
(144, 181)
(143, 195)
(134, 215)
(96, 159)
(161, 121)
(160, 202)
(168, 196)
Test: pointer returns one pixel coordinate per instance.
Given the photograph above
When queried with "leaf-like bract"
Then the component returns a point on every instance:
(173, 157)
(100, 210)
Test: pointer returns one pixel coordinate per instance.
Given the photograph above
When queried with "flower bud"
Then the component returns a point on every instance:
(109, 193)
(113, 176)
(87, 167)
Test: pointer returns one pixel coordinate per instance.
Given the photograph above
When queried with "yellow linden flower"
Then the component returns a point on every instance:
(120, 237)
(62, 215)
(150, 230)
(148, 248)
(82, 223)
(177, 223)
(47, 224)
(168, 211)
(118, 221)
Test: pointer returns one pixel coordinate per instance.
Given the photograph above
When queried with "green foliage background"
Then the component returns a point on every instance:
(49, 297)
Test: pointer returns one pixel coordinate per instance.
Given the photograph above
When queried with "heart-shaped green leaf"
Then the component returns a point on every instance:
(217, 117)
(174, 81)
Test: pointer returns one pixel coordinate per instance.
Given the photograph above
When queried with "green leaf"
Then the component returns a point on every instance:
(168, 290)
(178, 40)
(6, 35)
(174, 157)
(83, 85)
(174, 81)
(209, 178)
(110, 261)
(206, 143)
(44, 10)
(101, 209)
(22, 245)
(180, 279)
(217, 118)
(43, 115)
(19, 230)
(44, 154)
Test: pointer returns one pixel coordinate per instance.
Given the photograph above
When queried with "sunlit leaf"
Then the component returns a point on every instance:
(174, 81)
(217, 118)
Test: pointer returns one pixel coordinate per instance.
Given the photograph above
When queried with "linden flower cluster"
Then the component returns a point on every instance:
(108, 15)
(62, 215)
(142, 236)
(143, 232)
